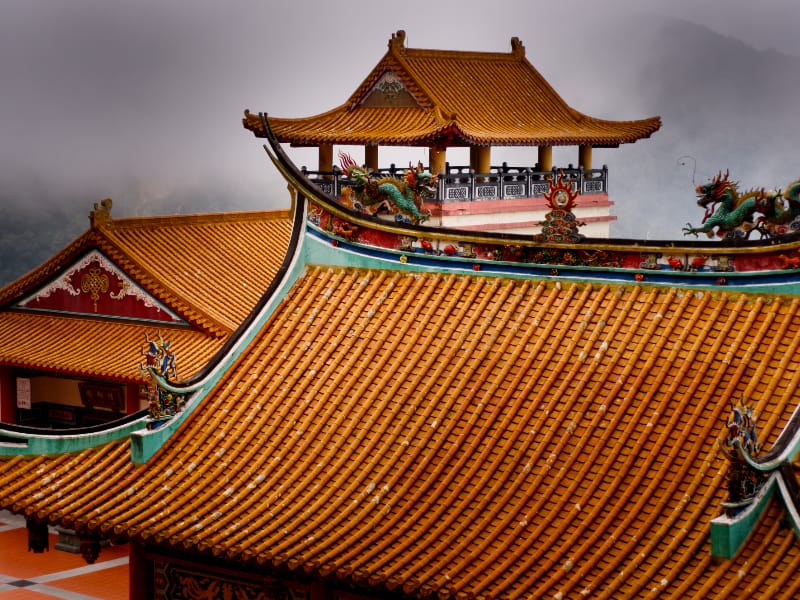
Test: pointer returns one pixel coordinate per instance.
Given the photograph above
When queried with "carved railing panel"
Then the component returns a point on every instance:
(458, 184)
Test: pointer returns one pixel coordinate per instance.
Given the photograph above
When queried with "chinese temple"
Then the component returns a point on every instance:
(437, 99)
(120, 281)
(412, 410)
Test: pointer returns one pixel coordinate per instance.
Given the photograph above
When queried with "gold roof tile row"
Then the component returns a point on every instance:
(217, 265)
(435, 433)
(26, 340)
(59, 487)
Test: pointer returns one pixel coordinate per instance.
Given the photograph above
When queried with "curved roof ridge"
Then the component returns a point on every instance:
(192, 218)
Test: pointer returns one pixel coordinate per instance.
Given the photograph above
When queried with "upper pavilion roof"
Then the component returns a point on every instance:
(463, 436)
(451, 98)
(196, 277)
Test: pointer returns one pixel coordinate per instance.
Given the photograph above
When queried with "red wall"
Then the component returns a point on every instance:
(8, 392)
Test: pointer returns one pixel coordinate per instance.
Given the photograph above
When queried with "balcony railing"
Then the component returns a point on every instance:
(460, 184)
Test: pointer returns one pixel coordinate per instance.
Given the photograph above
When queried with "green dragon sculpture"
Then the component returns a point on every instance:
(772, 213)
(781, 214)
(403, 198)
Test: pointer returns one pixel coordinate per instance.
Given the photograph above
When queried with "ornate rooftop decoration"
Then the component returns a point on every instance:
(402, 197)
(159, 363)
(728, 215)
(389, 91)
(560, 223)
(96, 286)
(743, 481)
(101, 215)
(753, 479)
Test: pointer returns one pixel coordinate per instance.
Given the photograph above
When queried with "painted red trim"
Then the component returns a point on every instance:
(517, 224)
(483, 207)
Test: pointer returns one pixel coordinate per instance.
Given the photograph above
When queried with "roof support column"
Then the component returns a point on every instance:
(320, 591)
(140, 578)
(480, 159)
(545, 158)
(8, 394)
(585, 157)
(325, 158)
(437, 158)
(371, 157)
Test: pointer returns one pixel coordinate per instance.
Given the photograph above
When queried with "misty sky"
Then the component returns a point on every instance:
(140, 101)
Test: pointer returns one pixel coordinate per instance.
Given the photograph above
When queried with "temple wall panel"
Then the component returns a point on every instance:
(55, 390)
(8, 402)
(173, 578)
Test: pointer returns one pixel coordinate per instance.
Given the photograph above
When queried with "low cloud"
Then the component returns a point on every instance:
(142, 102)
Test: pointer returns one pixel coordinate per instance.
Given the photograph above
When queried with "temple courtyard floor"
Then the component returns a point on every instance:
(56, 573)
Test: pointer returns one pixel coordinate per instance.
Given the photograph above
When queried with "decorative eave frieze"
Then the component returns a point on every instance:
(94, 286)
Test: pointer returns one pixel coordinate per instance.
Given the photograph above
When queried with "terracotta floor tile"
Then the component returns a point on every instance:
(56, 573)
(21, 594)
(109, 584)
(16, 560)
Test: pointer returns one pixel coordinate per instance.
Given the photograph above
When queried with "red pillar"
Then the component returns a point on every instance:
(140, 573)
(8, 396)
(131, 398)
(320, 591)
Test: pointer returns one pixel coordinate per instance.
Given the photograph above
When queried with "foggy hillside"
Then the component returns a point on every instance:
(724, 105)
(36, 221)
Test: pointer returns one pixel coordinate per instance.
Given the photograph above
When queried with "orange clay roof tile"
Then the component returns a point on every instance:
(98, 470)
(89, 347)
(450, 435)
(210, 269)
(456, 98)
(215, 264)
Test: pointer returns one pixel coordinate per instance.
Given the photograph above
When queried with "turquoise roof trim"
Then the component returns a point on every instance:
(27, 444)
(145, 443)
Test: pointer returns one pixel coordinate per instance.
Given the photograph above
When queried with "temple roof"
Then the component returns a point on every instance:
(92, 348)
(454, 98)
(463, 435)
(200, 274)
